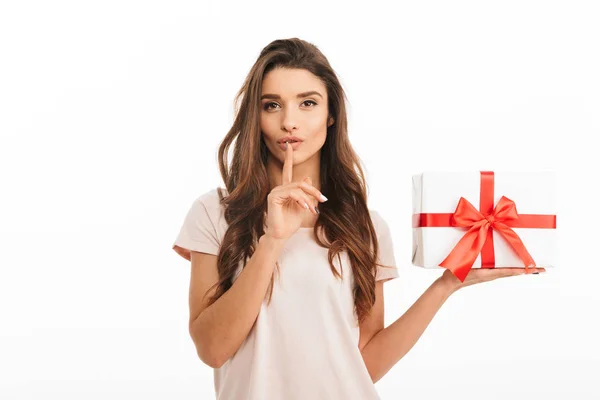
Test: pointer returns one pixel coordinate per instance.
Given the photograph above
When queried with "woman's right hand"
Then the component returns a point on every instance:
(286, 203)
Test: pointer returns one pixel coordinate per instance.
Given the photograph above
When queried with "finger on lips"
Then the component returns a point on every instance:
(313, 194)
(288, 165)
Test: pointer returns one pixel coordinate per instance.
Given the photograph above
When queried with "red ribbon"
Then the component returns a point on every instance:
(480, 224)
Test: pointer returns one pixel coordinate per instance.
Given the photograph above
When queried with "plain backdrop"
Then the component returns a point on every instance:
(110, 117)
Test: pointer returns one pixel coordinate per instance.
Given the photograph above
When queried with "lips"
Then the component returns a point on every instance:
(289, 138)
(294, 145)
(293, 140)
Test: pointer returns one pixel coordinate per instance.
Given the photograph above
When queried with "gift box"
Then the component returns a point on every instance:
(484, 219)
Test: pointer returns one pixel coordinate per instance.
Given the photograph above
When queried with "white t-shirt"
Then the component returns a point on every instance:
(304, 344)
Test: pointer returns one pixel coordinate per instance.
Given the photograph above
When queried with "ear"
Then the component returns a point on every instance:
(331, 121)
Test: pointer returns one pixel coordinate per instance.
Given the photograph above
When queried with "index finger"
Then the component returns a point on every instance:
(286, 176)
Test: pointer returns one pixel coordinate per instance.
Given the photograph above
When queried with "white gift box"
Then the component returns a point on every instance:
(533, 193)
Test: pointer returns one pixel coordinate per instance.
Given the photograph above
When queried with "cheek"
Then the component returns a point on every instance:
(266, 129)
(319, 124)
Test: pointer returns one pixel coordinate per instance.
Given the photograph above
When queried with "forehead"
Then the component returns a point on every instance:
(289, 82)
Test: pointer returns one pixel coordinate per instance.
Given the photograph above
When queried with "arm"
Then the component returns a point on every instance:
(220, 329)
(387, 346)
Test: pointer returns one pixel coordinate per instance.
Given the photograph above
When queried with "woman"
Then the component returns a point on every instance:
(286, 292)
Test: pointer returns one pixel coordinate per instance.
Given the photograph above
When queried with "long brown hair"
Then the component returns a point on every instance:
(344, 218)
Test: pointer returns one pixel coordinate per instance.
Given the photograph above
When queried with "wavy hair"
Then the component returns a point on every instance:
(344, 219)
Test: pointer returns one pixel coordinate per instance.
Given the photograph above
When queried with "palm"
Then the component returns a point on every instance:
(294, 214)
(479, 275)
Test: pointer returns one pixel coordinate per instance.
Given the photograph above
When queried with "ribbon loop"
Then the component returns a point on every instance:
(460, 260)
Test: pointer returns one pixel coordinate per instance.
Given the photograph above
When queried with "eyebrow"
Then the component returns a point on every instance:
(277, 97)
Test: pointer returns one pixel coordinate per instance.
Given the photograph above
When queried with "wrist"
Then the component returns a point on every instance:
(446, 285)
(272, 242)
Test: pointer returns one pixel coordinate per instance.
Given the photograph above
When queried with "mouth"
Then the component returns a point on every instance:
(294, 145)
(294, 142)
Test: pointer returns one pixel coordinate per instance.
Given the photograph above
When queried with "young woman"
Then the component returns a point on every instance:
(286, 292)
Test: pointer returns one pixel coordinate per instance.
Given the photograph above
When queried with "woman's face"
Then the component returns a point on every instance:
(294, 103)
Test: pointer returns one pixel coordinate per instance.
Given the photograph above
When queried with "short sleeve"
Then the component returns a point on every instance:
(386, 249)
(200, 228)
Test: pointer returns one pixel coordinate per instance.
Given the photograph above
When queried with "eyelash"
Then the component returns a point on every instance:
(266, 106)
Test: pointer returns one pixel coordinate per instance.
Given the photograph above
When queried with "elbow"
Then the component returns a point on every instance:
(206, 351)
(371, 369)
(210, 359)
(374, 377)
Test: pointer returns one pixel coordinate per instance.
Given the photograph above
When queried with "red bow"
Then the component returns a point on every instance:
(463, 255)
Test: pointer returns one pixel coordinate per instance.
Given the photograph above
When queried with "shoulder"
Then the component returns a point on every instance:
(379, 222)
(387, 261)
(211, 199)
(375, 216)
(207, 210)
(203, 227)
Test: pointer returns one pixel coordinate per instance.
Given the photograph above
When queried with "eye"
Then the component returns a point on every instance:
(266, 106)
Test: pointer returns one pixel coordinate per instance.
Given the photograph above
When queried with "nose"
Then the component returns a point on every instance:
(290, 120)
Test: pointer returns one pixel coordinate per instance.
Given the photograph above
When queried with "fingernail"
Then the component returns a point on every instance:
(306, 205)
(317, 210)
(323, 198)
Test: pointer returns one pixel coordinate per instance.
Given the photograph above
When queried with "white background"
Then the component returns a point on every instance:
(110, 117)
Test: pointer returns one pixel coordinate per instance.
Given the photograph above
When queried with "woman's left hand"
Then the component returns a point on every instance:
(479, 275)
